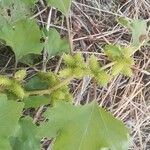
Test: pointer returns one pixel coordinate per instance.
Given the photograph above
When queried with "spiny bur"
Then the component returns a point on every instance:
(20, 75)
(122, 59)
(101, 76)
(75, 66)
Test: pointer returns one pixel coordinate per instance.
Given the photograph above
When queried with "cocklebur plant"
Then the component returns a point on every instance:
(87, 127)
(64, 119)
(56, 85)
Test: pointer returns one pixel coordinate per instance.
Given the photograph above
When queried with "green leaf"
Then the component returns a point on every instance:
(35, 83)
(5, 144)
(24, 38)
(11, 2)
(85, 127)
(18, 10)
(113, 51)
(36, 101)
(6, 2)
(25, 136)
(47, 80)
(10, 112)
(62, 5)
(30, 59)
(3, 21)
(139, 32)
(29, 2)
(138, 29)
(54, 44)
(124, 21)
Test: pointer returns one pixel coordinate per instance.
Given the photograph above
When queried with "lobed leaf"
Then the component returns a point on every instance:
(10, 112)
(36, 101)
(124, 21)
(62, 5)
(139, 32)
(113, 51)
(54, 44)
(24, 38)
(85, 127)
(25, 137)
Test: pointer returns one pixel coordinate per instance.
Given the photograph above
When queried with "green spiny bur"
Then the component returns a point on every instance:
(93, 63)
(117, 68)
(113, 51)
(123, 66)
(50, 77)
(121, 57)
(13, 86)
(16, 89)
(20, 75)
(68, 60)
(4, 81)
(128, 51)
(75, 66)
(96, 71)
(66, 72)
(61, 94)
(102, 78)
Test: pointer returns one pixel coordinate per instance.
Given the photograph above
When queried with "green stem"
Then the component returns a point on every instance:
(107, 66)
(49, 91)
(64, 82)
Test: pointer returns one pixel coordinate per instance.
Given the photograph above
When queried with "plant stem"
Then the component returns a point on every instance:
(64, 82)
(45, 53)
(49, 91)
(107, 66)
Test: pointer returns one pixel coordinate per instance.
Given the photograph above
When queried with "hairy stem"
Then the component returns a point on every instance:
(49, 91)
(107, 66)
